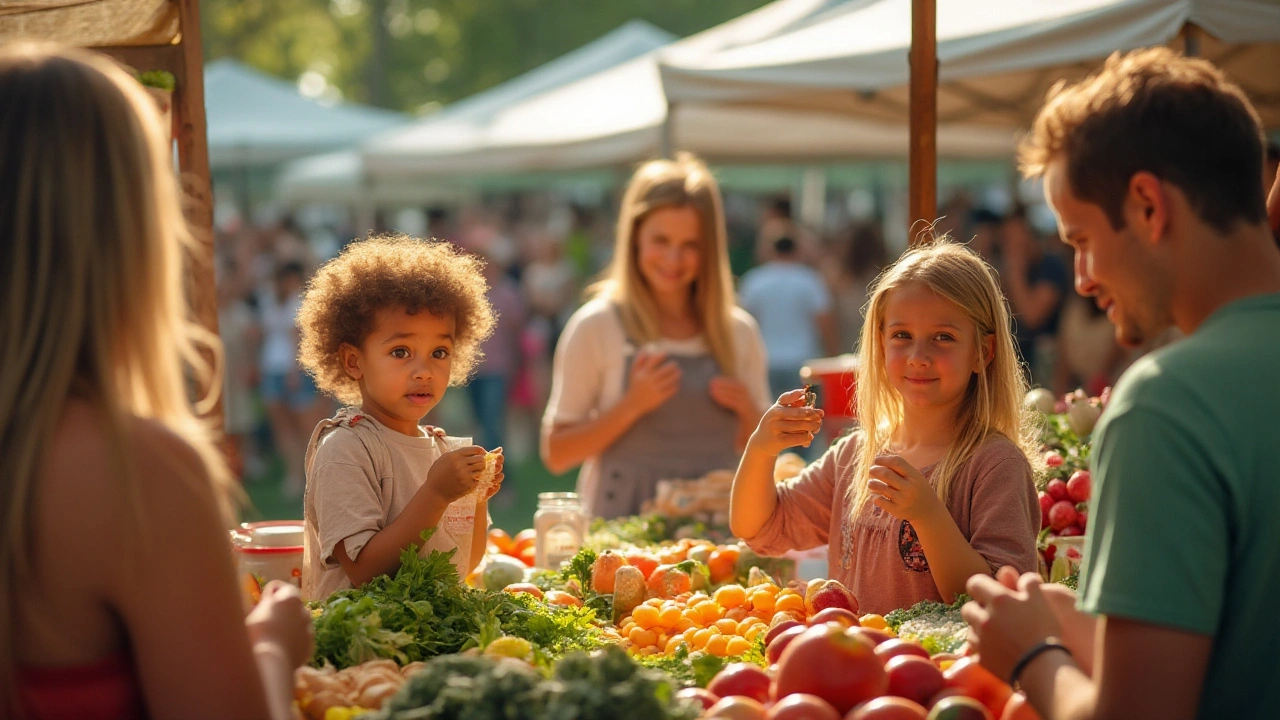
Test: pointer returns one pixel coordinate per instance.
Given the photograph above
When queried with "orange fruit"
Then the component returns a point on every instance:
(727, 626)
(702, 637)
(646, 616)
(718, 645)
(789, 602)
(874, 621)
(642, 637)
(669, 617)
(762, 601)
(737, 646)
(528, 555)
(731, 596)
(645, 563)
(674, 644)
(723, 564)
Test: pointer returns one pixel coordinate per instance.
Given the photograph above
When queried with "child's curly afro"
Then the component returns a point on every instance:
(390, 271)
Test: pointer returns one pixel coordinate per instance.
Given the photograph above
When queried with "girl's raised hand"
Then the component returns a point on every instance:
(901, 490)
(786, 424)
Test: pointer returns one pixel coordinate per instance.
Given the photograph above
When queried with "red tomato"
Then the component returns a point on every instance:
(888, 708)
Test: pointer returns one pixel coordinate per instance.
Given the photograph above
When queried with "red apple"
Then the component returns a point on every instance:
(914, 678)
(829, 593)
(1062, 514)
(736, 708)
(890, 649)
(698, 695)
(773, 651)
(837, 615)
(802, 707)
(888, 708)
(778, 628)
(1057, 490)
(837, 666)
(1079, 486)
(741, 680)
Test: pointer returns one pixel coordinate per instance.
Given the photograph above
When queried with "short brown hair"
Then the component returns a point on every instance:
(1153, 110)
(391, 271)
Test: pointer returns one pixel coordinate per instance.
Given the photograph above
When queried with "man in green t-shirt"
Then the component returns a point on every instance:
(1152, 168)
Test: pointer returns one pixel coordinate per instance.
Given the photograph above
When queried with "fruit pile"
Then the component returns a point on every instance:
(835, 671)
(728, 621)
(1065, 484)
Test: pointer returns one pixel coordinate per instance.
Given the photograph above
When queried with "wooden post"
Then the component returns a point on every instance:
(922, 156)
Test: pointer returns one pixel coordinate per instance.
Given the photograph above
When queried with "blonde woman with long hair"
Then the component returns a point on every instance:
(936, 485)
(660, 375)
(118, 596)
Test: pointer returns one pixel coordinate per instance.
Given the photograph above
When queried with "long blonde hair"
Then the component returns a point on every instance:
(92, 303)
(657, 184)
(992, 403)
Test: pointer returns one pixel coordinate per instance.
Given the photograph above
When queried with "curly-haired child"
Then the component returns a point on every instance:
(386, 327)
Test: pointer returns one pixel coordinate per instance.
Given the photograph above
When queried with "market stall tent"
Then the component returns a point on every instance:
(997, 58)
(340, 176)
(148, 35)
(619, 116)
(257, 119)
(987, 62)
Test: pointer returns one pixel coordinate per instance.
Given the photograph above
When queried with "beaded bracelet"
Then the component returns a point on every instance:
(1039, 649)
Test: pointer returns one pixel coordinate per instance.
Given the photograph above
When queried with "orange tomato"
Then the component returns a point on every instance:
(723, 564)
(524, 539)
(975, 681)
(645, 563)
(501, 540)
(528, 555)
(556, 597)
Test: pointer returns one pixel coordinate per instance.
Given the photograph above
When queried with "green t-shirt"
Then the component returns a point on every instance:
(1184, 524)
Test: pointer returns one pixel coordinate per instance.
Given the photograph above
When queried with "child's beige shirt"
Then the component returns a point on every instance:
(350, 496)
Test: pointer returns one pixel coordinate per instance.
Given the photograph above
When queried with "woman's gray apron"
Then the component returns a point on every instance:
(687, 437)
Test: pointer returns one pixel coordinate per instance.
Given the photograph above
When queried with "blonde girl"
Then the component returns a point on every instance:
(660, 375)
(118, 597)
(936, 485)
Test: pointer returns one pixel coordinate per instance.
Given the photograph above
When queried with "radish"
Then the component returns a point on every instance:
(1053, 459)
(1057, 490)
(1062, 515)
(1079, 486)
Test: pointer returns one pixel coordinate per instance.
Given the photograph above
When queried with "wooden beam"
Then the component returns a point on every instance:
(922, 157)
(191, 134)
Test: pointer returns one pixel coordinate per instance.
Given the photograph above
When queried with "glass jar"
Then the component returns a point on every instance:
(561, 526)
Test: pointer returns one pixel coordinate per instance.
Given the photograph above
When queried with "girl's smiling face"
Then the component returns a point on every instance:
(402, 366)
(931, 348)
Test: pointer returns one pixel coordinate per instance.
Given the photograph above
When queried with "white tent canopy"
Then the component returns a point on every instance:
(997, 58)
(256, 119)
(340, 177)
(618, 116)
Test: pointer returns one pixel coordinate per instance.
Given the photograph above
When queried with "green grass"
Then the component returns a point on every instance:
(512, 508)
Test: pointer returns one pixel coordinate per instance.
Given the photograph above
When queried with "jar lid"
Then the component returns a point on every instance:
(558, 496)
(274, 534)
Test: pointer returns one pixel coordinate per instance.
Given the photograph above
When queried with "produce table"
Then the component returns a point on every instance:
(653, 620)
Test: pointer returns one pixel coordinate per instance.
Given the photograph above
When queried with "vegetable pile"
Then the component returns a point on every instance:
(604, 684)
(425, 611)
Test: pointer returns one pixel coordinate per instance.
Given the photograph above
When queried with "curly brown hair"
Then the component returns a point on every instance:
(390, 271)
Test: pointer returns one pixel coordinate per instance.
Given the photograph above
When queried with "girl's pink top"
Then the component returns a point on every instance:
(878, 557)
(105, 690)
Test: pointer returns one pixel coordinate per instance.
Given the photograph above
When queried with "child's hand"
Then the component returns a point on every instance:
(787, 423)
(456, 473)
(901, 490)
(281, 618)
(497, 475)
